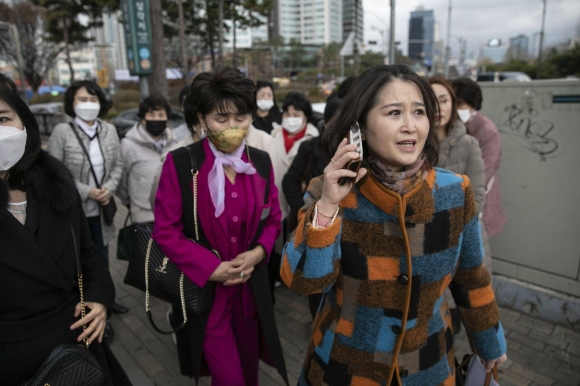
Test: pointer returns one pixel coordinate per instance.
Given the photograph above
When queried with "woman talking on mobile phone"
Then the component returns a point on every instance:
(385, 248)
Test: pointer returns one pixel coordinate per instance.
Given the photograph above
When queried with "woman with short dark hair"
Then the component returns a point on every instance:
(239, 217)
(85, 103)
(41, 220)
(141, 150)
(287, 137)
(267, 111)
(386, 244)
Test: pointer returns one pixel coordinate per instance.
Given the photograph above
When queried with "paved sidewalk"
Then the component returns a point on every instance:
(539, 353)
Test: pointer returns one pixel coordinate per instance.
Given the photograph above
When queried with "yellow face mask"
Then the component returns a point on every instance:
(227, 140)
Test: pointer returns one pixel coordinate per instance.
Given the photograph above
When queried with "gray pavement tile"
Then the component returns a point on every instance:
(526, 341)
(542, 380)
(570, 373)
(557, 341)
(536, 324)
(164, 378)
(574, 348)
(510, 325)
(562, 355)
(567, 334)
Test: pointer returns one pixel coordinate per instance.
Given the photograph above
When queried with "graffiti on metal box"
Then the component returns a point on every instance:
(524, 123)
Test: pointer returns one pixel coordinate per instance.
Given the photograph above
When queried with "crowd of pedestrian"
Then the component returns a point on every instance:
(394, 255)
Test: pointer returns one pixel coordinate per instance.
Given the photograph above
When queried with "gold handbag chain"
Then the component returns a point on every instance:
(83, 311)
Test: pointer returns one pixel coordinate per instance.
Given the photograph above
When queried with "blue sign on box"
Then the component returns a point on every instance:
(566, 99)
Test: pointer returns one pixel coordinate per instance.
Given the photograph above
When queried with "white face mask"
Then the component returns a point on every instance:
(265, 104)
(292, 124)
(87, 111)
(464, 115)
(12, 145)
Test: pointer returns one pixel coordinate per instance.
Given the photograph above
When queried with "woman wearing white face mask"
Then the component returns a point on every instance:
(41, 220)
(469, 100)
(288, 136)
(69, 142)
(286, 140)
(267, 112)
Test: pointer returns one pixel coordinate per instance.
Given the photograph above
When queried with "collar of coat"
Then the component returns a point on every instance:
(50, 181)
(416, 206)
(311, 130)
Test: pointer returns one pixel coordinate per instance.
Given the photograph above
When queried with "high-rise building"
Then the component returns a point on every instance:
(247, 36)
(352, 13)
(496, 50)
(312, 22)
(519, 47)
(421, 35)
(109, 43)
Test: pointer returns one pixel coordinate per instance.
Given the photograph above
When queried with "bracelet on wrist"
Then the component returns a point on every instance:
(324, 215)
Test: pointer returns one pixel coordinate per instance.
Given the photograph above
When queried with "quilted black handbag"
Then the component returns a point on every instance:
(151, 271)
(70, 364)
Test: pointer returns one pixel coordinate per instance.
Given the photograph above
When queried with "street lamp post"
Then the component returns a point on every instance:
(16, 39)
(541, 39)
(448, 48)
(392, 35)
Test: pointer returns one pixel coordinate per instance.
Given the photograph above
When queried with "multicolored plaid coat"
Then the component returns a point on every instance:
(384, 265)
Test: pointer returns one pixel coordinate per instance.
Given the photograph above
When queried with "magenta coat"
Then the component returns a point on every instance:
(486, 133)
(195, 261)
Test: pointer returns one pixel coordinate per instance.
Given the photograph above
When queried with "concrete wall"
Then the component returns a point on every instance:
(539, 123)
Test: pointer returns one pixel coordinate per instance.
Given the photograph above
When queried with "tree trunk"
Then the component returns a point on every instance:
(221, 32)
(184, 66)
(235, 60)
(67, 50)
(157, 80)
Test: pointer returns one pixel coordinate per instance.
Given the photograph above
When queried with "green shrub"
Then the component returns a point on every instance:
(46, 98)
(126, 96)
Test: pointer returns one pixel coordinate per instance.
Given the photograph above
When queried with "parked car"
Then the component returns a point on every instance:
(511, 76)
(53, 90)
(48, 115)
(126, 119)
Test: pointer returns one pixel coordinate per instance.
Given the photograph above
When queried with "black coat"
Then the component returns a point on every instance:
(38, 289)
(308, 163)
(265, 124)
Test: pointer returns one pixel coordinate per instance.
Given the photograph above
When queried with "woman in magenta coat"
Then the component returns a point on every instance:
(239, 216)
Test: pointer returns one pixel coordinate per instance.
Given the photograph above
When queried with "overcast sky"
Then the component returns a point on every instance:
(478, 21)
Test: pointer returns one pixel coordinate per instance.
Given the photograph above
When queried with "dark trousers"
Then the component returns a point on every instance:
(97, 236)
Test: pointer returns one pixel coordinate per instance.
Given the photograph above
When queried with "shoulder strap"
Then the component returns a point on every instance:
(74, 130)
(80, 280)
(194, 172)
(187, 159)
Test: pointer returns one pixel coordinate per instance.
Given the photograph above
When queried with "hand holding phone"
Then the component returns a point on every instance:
(354, 137)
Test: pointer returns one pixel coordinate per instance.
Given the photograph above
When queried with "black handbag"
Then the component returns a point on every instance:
(70, 364)
(151, 271)
(110, 209)
(126, 240)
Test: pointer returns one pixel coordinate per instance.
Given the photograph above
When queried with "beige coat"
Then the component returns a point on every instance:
(282, 160)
